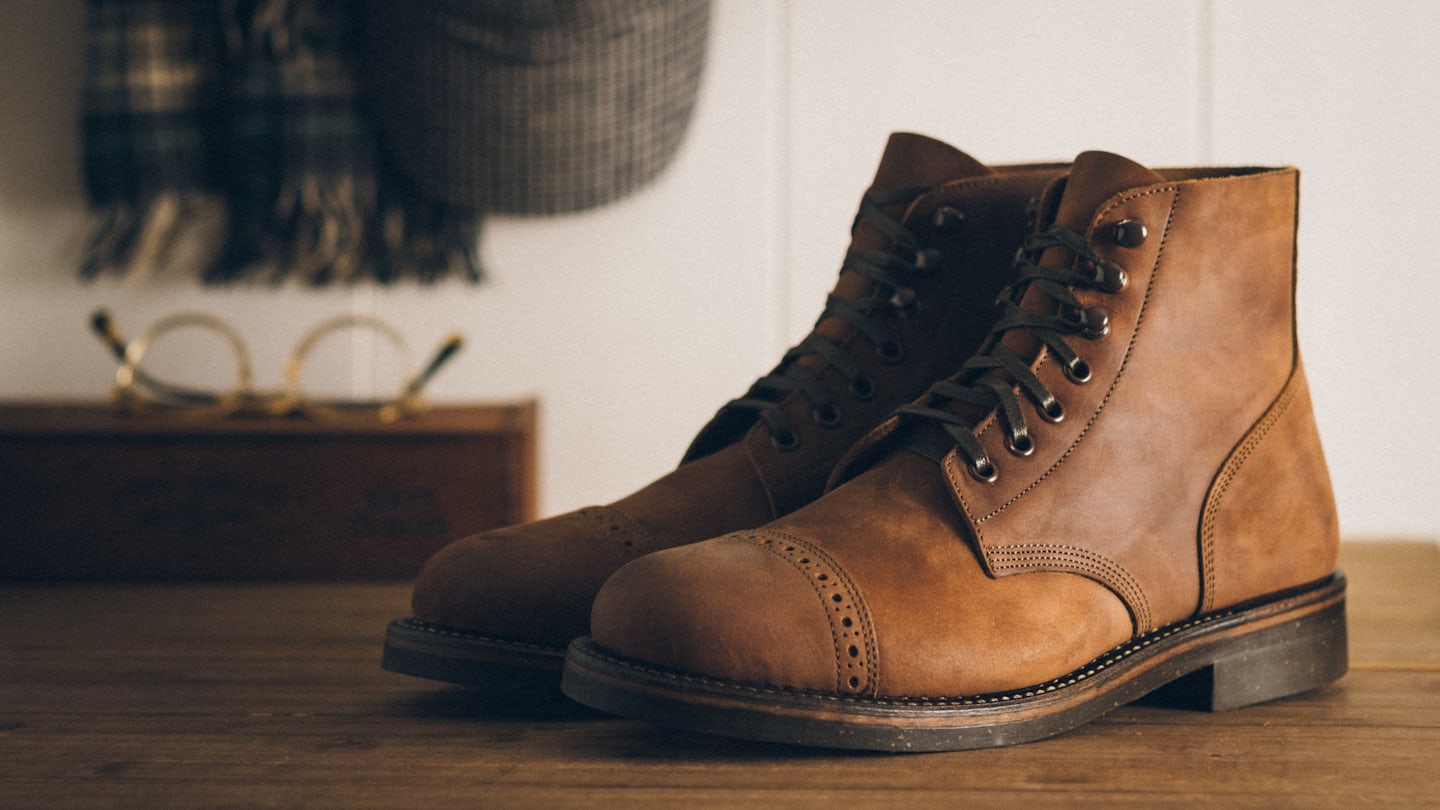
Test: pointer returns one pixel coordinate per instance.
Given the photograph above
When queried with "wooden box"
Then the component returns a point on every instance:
(87, 494)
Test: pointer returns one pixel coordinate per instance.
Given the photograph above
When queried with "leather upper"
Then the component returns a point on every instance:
(535, 583)
(1186, 475)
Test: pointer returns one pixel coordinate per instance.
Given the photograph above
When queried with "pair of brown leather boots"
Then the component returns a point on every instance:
(993, 495)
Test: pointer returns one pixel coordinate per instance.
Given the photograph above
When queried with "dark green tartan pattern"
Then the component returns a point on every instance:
(150, 96)
(261, 103)
(302, 150)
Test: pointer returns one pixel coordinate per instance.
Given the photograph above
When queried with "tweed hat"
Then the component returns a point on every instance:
(534, 106)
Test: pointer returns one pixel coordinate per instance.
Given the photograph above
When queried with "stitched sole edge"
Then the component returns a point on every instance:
(1222, 660)
(454, 655)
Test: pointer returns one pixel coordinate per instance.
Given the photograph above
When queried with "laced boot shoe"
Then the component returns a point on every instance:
(931, 249)
(1123, 490)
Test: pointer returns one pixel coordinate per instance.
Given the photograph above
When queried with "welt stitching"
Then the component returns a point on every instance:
(1110, 658)
(416, 625)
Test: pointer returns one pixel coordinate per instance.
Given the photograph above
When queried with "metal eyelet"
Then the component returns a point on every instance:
(890, 351)
(1077, 371)
(785, 442)
(927, 259)
(903, 300)
(1052, 411)
(828, 415)
(862, 388)
(1129, 233)
(983, 470)
(1108, 277)
(946, 216)
(1094, 322)
(1021, 445)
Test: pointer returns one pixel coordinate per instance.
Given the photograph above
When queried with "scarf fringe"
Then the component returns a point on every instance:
(326, 231)
(320, 227)
(431, 241)
(320, 237)
(267, 171)
(173, 231)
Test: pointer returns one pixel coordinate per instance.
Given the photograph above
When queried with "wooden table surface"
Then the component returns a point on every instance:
(272, 696)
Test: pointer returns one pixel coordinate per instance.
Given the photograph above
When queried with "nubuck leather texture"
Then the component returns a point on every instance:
(931, 247)
(1123, 490)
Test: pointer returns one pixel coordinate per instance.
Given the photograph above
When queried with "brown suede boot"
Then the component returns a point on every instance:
(931, 248)
(1123, 490)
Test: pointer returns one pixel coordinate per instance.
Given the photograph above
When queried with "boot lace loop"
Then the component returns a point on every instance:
(995, 380)
(894, 272)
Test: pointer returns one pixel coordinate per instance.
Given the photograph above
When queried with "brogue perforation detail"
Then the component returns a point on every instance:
(1024, 557)
(615, 526)
(850, 628)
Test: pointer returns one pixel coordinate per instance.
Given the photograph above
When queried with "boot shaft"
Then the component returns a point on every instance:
(1185, 473)
(944, 237)
(1134, 437)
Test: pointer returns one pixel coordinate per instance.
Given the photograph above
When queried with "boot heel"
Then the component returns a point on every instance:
(1288, 659)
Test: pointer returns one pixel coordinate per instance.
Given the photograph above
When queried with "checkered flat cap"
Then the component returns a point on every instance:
(534, 106)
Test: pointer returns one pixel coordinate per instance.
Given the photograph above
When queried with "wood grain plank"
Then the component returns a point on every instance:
(1316, 750)
(271, 695)
(1393, 603)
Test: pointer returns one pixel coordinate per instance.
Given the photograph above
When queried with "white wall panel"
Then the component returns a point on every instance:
(1350, 93)
(634, 322)
(1004, 81)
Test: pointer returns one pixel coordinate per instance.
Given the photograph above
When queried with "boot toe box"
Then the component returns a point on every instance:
(757, 608)
(533, 582)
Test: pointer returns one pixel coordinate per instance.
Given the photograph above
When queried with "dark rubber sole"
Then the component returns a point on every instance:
(1223, 660)
(453, 655)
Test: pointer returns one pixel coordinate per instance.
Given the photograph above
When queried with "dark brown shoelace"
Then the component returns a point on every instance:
(995, 379)
(895, 271)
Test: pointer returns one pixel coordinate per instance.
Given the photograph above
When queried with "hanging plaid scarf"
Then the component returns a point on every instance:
(251, 112)
(149, 112)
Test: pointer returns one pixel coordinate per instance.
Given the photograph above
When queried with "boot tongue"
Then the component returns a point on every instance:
(915, 160)
(909, 161)
(1094, 178)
